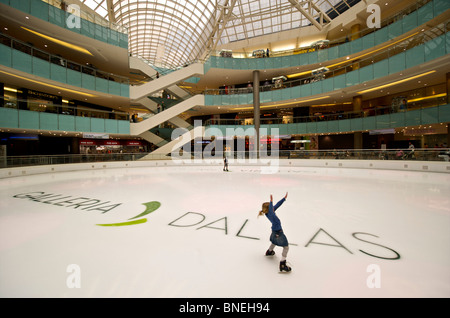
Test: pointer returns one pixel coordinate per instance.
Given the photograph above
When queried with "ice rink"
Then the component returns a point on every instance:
(194, 232)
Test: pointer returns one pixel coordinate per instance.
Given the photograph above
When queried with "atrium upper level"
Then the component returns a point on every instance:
(173, 33)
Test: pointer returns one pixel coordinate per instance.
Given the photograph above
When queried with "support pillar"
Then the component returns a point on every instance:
(448, 135)
(256, 110)
(447, 81)
(357, 140)
(357, 103)
(357, 135)
(448, 102)
(356, 31)
(356, 34)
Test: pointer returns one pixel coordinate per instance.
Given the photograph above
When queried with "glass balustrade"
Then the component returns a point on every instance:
(65, 14)
(417, 105)
(340, 123)
(392, 27)
(416, 50)
(52, 117)
(24, 57)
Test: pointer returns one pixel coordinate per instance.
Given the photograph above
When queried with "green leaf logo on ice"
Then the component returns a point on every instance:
(149, 208)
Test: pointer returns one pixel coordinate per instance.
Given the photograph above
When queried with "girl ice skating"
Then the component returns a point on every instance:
(277, 238)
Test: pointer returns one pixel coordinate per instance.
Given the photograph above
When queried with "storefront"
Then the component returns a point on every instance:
(103, 146)
(427, 136)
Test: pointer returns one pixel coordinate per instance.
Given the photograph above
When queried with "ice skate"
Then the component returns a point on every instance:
(284, 267)
(270, 253)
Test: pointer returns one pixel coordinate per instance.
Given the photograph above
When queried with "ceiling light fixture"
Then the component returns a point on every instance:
(395, 83)
(48, 85)
(60, 42)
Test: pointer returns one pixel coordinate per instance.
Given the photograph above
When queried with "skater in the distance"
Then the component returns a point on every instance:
(277, 238)
(225, 163)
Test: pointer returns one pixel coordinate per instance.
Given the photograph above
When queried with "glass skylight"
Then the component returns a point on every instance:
(171, 33)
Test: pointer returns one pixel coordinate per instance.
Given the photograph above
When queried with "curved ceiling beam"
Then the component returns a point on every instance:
(309, 13)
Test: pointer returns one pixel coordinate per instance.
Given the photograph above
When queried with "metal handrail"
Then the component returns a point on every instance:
(420, 154)
(37, 160)
(370, 112)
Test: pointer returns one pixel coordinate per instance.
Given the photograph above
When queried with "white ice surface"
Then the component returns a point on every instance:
(223, 255)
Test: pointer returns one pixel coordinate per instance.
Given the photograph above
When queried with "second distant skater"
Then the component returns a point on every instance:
(225, 163)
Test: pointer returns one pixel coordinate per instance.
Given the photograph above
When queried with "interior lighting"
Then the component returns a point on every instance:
(334, 104)
(298, 74)
(374, 51)
(303, 101)
(48, 85)
(285, 48)
(63, 43)
(427, 97)
(395, 83)
(355, 58)
(283, 104)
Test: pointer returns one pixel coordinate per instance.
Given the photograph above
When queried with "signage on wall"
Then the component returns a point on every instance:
(90, 142)
(95, 135)
(419, 131)
(133, 143)
(382, 131)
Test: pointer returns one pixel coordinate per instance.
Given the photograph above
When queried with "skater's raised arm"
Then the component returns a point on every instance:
(279, 202)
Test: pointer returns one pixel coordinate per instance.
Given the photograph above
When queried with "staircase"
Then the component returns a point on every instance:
(139, 91)
(173, 108)
(176, 144)
(171, 112)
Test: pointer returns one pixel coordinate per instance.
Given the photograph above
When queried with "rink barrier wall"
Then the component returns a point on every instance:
(400, 165)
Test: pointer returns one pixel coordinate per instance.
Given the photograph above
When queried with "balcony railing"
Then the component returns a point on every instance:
(393, 55)
(27, 58)
(54, 108)
(49, 116)
(369, 112)
(60, 12)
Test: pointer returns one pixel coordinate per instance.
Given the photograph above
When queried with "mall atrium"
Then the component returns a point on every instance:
(120, 76)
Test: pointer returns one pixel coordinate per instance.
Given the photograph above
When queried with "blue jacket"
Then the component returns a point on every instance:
(273, 218)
